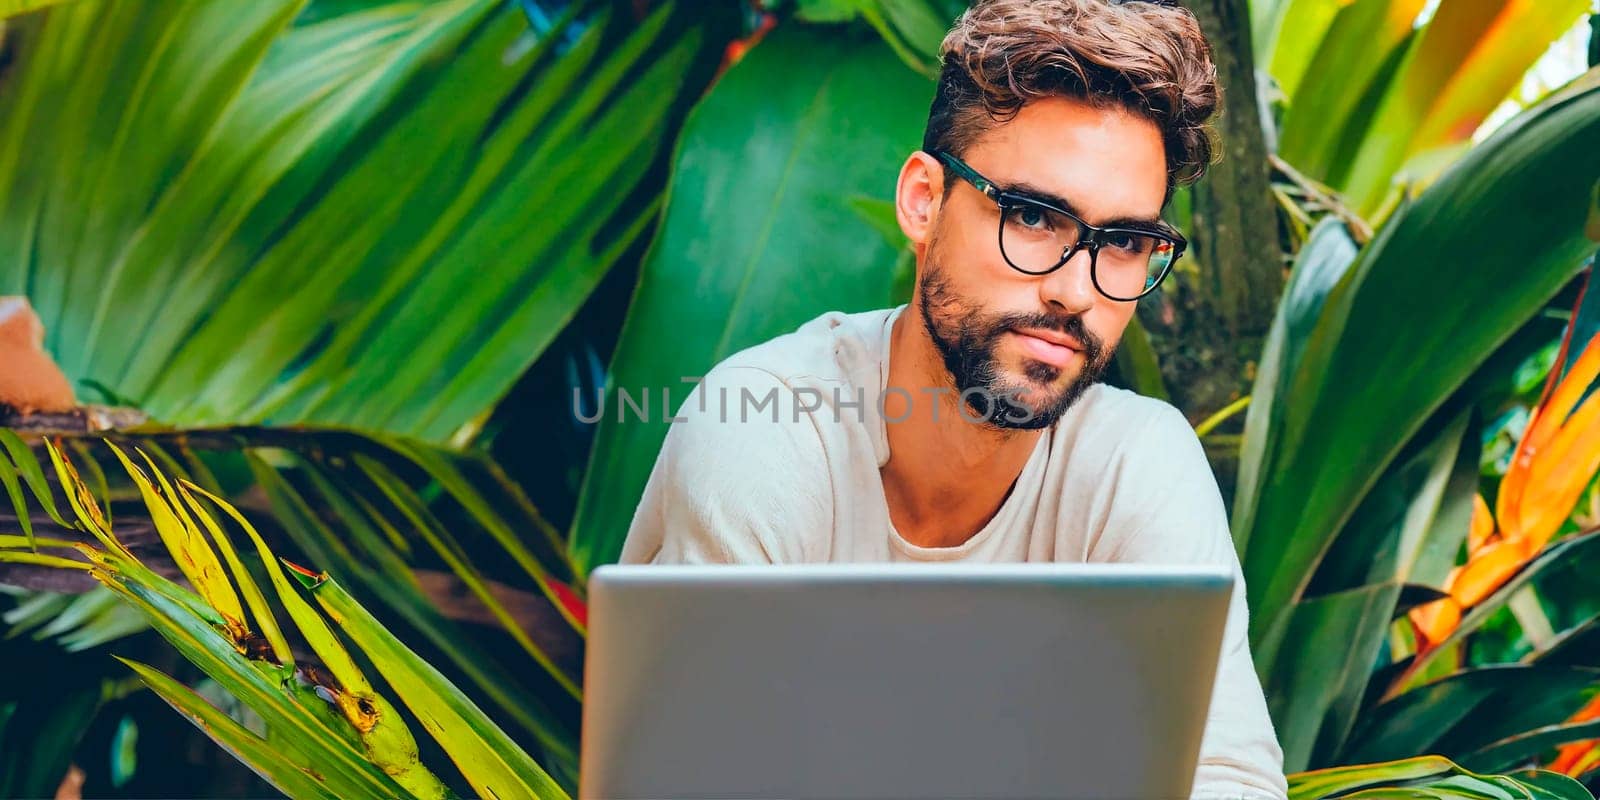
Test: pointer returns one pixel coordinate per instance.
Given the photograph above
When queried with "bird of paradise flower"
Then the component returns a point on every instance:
(1554, 462)
(1557, 457)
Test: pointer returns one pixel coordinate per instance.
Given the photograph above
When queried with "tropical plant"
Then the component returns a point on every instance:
(1353, 491)
(1554, 463)
(342, 173)
(1430, 777)
(306, 117)
(320, 725)
(366, 169)
(326, 727)
(1378, 96)
(432, 540)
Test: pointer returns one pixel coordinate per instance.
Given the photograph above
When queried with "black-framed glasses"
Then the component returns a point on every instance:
(1037, 238)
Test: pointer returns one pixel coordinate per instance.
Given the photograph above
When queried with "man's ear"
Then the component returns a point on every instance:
(918, 195)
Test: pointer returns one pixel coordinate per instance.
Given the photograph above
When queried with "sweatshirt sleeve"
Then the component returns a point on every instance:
(1175, 515)
(741, 478)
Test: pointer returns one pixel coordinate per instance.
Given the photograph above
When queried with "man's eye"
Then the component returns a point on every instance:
(1128, 242)
(1033, 217)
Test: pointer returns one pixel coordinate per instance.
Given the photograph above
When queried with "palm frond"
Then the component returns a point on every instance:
(331, 731)
(369, 176)
(391, 519)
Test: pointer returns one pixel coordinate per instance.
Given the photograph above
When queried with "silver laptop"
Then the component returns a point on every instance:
(899, 681)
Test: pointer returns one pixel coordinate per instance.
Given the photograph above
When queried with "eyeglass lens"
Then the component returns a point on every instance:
(1034, 239)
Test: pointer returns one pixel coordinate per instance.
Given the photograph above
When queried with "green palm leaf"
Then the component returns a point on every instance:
(337, 734)
(362, 174)
(322, 500)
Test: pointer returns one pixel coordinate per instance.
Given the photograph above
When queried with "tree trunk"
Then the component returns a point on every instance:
(1208, 329)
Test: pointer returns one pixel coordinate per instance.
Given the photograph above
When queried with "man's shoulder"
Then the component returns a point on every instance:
(1125, 413)
(791, 397)
(835, 346)
(1126, 431)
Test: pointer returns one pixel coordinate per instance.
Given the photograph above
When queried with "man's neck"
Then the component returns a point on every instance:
(946, 476)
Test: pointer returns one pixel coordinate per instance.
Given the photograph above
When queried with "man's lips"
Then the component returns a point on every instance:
(1051, 347)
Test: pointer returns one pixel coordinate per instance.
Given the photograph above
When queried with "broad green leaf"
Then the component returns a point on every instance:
(757, 204)
(1320, 265)
(1459, 787)
(1314, 695)
(1515, 750)
(486, 756)
(1524, 705)
(1416, 721)
(1579, 644)
(1463, 65)
(914, 29)
(1338, 780)
(1348, 60)
(1547, 785)
(1288, 34)
(1429, 559)
(1389, 530)
(1337, 433)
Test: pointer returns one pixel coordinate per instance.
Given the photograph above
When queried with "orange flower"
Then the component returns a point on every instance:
(1557, 457)
(1482, 529)
(1578, 757)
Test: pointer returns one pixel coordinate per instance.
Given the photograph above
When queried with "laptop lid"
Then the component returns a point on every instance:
(899, 680)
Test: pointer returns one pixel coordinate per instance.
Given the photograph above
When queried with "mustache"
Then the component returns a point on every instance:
(1069, 324)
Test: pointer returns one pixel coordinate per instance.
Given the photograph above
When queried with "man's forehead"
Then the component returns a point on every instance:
(1069, 148)
(1106, 171)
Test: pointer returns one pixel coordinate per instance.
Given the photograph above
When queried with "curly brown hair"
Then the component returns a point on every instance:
(1147, 57)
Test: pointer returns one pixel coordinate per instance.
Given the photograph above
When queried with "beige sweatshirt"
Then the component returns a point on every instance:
(1120, 477)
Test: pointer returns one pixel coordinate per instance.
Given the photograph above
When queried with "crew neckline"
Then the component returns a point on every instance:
(1035, 463)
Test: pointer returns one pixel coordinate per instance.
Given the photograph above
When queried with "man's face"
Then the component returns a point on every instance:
(1033, 343)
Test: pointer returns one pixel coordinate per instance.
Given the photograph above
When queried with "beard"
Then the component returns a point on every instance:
(967, 338)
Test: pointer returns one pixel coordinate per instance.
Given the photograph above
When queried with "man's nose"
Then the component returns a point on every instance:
(1070, 287)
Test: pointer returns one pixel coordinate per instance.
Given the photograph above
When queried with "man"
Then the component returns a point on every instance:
(969, 426)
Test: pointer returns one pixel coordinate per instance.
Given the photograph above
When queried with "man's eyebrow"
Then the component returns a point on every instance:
(1031, 192)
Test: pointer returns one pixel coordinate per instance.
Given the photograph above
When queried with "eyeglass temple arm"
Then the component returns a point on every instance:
(971, 176)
